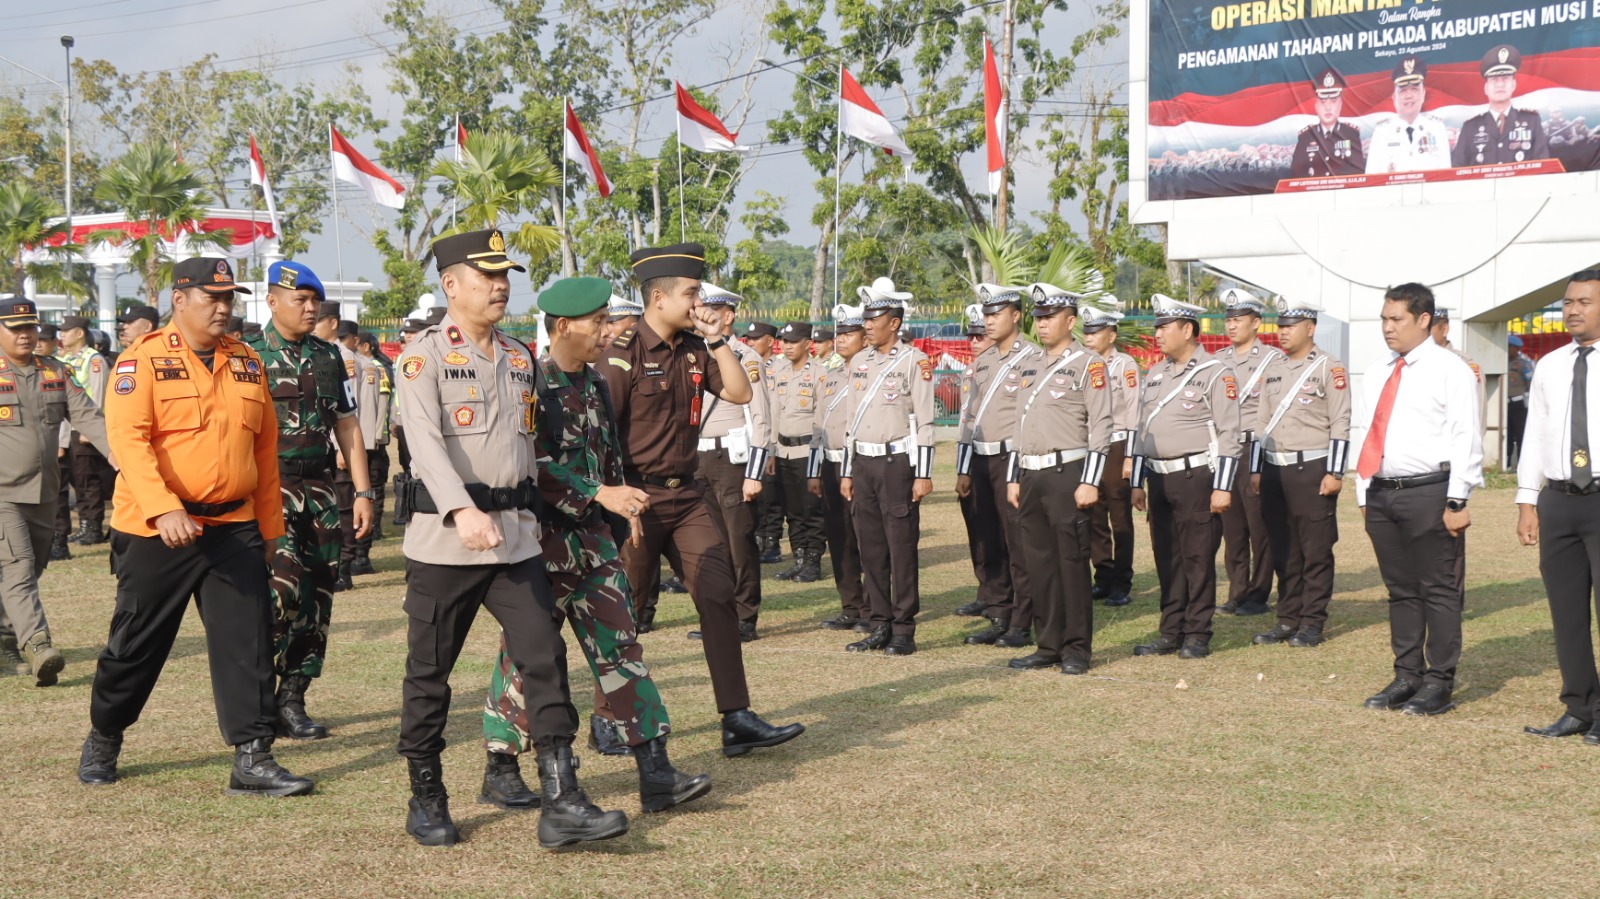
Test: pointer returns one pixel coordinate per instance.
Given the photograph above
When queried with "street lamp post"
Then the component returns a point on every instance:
(66, 44)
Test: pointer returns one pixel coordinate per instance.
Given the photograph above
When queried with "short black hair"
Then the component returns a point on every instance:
(1417, 297)
(1588, 274)
(1194, 327)
(663, 283)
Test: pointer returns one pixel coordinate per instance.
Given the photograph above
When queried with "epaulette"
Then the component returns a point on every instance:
(142, 339)
(1307, 129)
(625, 339)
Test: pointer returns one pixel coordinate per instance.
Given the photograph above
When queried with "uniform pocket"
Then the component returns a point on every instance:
(1078, 530)
(11, 412)
(421, 610)
(177, 405)
(254, 411)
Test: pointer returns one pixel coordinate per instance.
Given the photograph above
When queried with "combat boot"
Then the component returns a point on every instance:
(341, 582)
(428, 812)
(257, 773)
(662, 786)
(997, 628)
(293, 722)
(788, 574)
(81, 536)
(97, 766)
(11, 661)
(362, 564)
(770, 553)
(503, 786)
(98, 534)
(566, 815)
(45, 660)
(810, 568)
(673, 585)
(59, 552)
(603, 737)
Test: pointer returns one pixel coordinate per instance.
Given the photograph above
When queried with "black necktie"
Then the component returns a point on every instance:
(1410, 137)
(1582, 474)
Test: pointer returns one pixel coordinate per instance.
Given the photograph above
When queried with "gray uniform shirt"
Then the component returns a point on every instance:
(34, 401)
(1122, 370)
(469, 419)
(373, 402)
(833, 410)
(1181, 406)
(795, 393)
(722, 417)
(891, 392)
(1064, 404)
(1314, 396)
(1247, 367)
(989, 410)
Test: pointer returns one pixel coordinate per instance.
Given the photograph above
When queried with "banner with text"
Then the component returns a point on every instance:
(1281, 96)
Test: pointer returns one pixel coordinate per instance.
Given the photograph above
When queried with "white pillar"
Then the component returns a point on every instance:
(105, 281)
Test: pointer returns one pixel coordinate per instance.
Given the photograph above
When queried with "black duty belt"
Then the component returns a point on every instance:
(794, 441)
(1418, 480)
(307, 468)
(212, 510)
(488, 499)
(1572, 489)
(653, 481)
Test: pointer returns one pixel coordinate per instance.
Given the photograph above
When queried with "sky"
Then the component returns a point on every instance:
(315, 40)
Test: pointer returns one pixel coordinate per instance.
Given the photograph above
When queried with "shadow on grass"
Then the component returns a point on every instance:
(1488, 666)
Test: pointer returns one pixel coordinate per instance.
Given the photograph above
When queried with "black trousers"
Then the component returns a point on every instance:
(1184, 536)
(1303, 526)
(838, 520)
(1569, 558)
(1111, 526)
(1516, 422)
(64, 498)
(800, 507)
(736, 521)
(1418, 559)
(1055, 547)
(378, 477)
(888, 526)
(769, 508)
(405, 448)
(996, 540)
(225, 572)
(92, 478)
(1247, 551)
(441, 603)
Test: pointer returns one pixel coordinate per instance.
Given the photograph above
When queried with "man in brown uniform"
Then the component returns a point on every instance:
(888, 467)
(658, 375)
(1189, 451)
(735, 444)
(1247, 552)
(1297, 468)
(1063, 433)
(1111, 520)
(827, 459)
(796, 379)
(983, 448)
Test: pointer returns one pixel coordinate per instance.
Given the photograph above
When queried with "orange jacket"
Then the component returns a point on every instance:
(185, 434)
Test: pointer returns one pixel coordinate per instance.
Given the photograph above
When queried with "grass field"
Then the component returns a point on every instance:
(1253, 773)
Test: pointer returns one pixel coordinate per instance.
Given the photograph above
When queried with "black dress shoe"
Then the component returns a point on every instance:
(696, 635)
(1100, 593)
(1397, 694)
(1229, 607)
(877, 639)
(997, 628)
(1565, 726)
(1593, 736)
(1016, 638)
(1195, 648)
(1432, 699)
(1032, 662)
(841, 622)
(1308, 636)
(1119, 598)
(673, 584)
(863, 627)
(901, 645)
(1278, 634)
(743, 731)
(1252, 607)
(1160, 646)
(1075, 666)
(747, 632)
(972, 609)
(97, 766)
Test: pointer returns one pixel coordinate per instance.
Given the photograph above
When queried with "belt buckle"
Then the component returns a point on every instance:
(674, 483)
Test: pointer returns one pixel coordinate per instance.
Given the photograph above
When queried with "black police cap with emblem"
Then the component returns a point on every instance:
(434, 316)
(484, 250)
(68, 322)
(48, 331)
(1329, 84)
(235, 323)
(757, 330)
(1409, 70)
(208, 273)
(329, 309)
(795, 332)
(136, 313)
(1501, 60)
(18, 312)
(411, 326)
(681, 260)
(821, 334)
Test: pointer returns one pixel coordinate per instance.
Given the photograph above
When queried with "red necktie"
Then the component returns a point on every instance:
(1372, 449)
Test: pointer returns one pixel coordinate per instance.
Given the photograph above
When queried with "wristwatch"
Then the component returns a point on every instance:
(1455, 505)
(367, 494)
(717, 344)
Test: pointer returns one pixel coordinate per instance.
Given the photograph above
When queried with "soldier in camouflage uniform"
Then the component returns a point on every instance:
(580, 482)
(314, 402)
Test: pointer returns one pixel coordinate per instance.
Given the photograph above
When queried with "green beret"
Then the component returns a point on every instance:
(575, 297)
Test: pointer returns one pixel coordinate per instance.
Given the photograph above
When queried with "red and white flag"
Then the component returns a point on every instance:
(258, 176)
(994, 119)
(575, 146)
(699, 130)
(352, 167)
(861, 118)
(461, 138)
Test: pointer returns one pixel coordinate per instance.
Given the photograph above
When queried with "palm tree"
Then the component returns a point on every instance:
(500, 177)
(163, 196)
(28, 219)
(1069, 267)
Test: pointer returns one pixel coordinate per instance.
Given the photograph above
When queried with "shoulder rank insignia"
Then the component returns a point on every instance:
(624, 340)
(454, 334)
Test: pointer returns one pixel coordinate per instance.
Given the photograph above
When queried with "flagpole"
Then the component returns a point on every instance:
(566, 236)
(455, 195)
(838, 179)
(333, 186)
(683, 224)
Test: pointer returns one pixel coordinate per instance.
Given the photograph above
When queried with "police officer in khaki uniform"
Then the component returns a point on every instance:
(888, 467)
(735, 443)
(827, 460)
(1063, 435)
(623, 314)
(1111, 520)
(762, 339)
(473, 541)
(1297, 468)
(374, 406)
(37, 394)
(344, 485)
(1440, 331)
(1247, 553)
(983, 447)
(1187, 457)
(795, 388)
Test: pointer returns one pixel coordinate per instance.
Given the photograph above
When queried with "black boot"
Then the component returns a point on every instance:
(673, 584)
(646, 619)
(428, 812)
(810, 568)
(97, 766)
(1016, 638)
(743, 731)
(997, 628)
(257, 773)
(293, 722)
(972, 609)
(875, 639)
(98, 534)
(788, 574)
(770, 553)
(81, 536)
(603, 737)
(342, 582)
(662, 786)
(503, 786)
(566, 815)
(362, 563)
(59, 551)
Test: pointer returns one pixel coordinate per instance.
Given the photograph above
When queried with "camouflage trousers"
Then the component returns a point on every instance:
(597, 605)
(303, 563)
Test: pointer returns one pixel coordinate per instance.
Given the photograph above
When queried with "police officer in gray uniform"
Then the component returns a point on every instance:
(1247, 552)
(794, 384)
(1111, 520)
(827, 460)
(1188, 455)
(1062, 435)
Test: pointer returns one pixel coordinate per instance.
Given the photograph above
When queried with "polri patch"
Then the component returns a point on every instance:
(411, 367)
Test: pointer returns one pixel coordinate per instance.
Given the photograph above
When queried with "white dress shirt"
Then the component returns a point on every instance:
(1547, 436)
(1434, 420)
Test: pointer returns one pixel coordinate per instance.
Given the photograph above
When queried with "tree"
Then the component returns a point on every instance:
(163, 198)
(755, 271)
(28, 219)
(501, 178)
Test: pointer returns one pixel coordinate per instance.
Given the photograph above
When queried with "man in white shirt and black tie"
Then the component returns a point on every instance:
(1422, 456)
(1558, 501)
